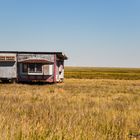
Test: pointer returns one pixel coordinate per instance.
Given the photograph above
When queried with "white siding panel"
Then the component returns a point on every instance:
(8, 69)
(50, 69)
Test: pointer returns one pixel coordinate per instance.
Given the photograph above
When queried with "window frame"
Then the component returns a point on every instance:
(35, 72)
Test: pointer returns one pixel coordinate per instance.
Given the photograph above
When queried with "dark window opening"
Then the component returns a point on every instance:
(39, 68)
(32, 68)
(25, 68)
(35, 68)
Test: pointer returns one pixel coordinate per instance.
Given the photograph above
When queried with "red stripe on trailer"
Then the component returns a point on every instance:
(54, 68)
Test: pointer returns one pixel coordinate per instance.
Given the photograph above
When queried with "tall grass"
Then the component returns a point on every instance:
(79, 109)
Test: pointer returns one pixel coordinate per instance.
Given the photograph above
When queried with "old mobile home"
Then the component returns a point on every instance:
(32, 66)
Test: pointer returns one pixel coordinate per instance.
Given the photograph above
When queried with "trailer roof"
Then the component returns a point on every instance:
(59, 54)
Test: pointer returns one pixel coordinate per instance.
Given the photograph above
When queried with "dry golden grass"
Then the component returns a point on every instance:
(78, 109)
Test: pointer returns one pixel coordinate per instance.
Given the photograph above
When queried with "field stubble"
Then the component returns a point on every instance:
(79, 109)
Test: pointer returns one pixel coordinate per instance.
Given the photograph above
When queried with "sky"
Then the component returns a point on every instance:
(94, 33)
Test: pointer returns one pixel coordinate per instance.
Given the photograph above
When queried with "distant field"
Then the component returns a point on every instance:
(102, 73)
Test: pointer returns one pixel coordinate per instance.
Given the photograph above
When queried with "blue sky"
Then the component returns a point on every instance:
(100, 33)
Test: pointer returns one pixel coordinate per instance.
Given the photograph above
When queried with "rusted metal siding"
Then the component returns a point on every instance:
(55, 70)
(52, 66)
(22, 57)
(47, 69)
(59, 70)
(8, 68)
(31, 78)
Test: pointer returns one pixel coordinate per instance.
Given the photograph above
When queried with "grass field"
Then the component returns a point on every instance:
(102, 73)
(78, 109)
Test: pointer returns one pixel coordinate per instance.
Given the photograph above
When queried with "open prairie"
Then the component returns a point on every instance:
(102, 73)
(81, 108)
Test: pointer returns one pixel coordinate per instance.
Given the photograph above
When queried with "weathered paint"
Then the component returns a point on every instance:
(8, 68)
(33, 78)
(48, 69)
(59, 70)
(54, 76)
(50, 63)
(47, 57)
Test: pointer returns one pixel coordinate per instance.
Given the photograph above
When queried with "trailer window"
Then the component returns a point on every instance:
(31, 68)
(39, 68)
(25, 68)
(35, 68)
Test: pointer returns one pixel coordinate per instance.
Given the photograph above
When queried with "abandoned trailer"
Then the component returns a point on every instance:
(32, 66)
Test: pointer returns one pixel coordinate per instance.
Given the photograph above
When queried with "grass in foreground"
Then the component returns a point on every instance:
(79, 109)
